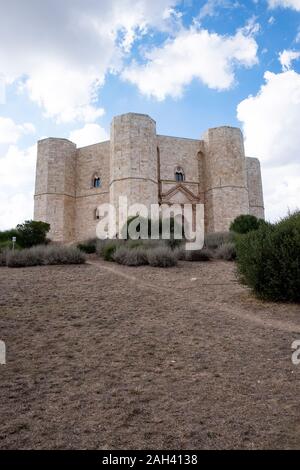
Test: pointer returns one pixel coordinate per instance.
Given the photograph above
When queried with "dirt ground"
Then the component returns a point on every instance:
(102, 356)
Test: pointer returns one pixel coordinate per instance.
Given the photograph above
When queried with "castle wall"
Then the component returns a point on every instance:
(256, 199)
(133, 160)
(55, 187)
(226, 189)
(92, 160)
(174, 152)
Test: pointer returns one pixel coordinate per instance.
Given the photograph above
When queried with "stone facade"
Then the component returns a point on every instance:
(147, 168)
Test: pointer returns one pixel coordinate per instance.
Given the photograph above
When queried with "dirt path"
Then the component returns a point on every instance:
(286, 325)
(106, 356)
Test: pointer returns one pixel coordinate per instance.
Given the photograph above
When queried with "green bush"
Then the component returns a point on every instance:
(216, 239)
(205, 254)
(107, 249)
(226, 251)
(131, 244)
(63, 255)
(7, 235)
(124, 230)
(32, 233)
(44, 255)
(131, 256)
(3, 257)
(245, 223)
(269, 259)
(162, 257)
(88, 246)
(7, 245)
(172, 242)
(101, 245)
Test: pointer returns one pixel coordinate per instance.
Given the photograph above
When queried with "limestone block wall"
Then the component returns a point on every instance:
(254, 181)
(174, 152)
(226, 189)
(56, 187)
(90, 161)
(133, 159)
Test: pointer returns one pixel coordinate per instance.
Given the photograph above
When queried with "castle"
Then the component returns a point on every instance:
(147, 168)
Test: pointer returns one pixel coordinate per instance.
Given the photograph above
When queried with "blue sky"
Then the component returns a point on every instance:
(69, 66)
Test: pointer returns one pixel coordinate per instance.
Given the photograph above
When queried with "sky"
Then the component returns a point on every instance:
(67, 67)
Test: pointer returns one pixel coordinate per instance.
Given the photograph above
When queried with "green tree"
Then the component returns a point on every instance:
(32, 233)
(246, 223)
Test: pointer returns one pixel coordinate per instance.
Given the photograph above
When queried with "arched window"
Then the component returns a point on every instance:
(179, 174)
(96, 214)
(96, 181)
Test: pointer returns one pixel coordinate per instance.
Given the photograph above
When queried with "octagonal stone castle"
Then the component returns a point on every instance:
(148, 168)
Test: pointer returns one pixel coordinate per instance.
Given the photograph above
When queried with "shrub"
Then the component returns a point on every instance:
(3, 257)
(102, 244)
(32, 233)
(131, 244)
(214, 240)
(162, 257)
(124, 230)
(63, 255)
(174, 228)
(245, 223)
(45, 255)
(146, 244)
(180, 253)
(24, 258)
(88, 246)
(173, 243)
(7, 245)
(226, 251)
(269, 259)
(199, 255)
(7, 235)
(108, 248)
(131, 256)
(99, 246)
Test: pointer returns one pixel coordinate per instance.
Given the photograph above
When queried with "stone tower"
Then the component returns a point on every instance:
(133, 159)
(226, 188)
(256, 198)
(55, 187)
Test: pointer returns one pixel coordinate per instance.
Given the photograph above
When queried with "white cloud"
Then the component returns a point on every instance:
(10, 132)
(88, 135)
(286, 58)
(294, 4)
(208, 57)
(281, 189)
(17, 174)
(62, 50)
(68, 99)
(211, 7)
(271, 123)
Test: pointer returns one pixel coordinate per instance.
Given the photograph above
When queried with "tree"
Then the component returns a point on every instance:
(246, 223)
(32, 233)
